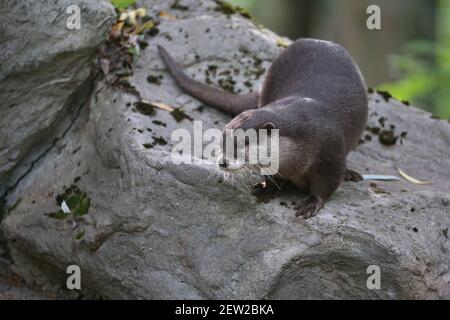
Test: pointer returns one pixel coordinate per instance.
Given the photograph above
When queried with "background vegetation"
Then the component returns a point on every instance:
(409, 56)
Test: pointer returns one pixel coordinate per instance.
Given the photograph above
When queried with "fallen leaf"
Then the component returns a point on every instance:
(380, 177)
(132, 17)
(162, 106)
(135, 13)
(117, 28)
(140, 12)
(412, 179)
(166, 15)
(148, 25)
(123, 16)
(281, 42)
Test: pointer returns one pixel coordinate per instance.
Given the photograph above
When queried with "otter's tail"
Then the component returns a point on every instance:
(224, 101)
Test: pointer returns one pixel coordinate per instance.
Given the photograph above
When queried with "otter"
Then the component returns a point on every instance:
(315, 95)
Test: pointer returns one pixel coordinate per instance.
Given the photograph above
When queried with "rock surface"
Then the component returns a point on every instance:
(157, 230)
(14, 291)
(43, 67)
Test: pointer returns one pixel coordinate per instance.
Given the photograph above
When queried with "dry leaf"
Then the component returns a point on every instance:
(162, 106)
(281, 42)
(148, 25)
(412, 179)
(140, 12)
(132, 17)
(123, 16)
(166, 15)
(117, 28)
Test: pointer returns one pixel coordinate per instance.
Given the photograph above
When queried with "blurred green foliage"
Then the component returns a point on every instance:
(424, 69)
(122, 4)
(242, 3)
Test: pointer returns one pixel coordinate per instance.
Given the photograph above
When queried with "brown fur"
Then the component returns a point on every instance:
(315, 95)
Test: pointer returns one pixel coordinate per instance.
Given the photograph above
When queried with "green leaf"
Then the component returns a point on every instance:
(134, 50)
(73, 200)
(80, 235)
(122, 4)
(83, 206)
(60, 215)
(77, 201)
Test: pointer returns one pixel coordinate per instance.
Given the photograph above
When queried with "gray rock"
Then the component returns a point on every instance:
(43, 66)
(157, 230)
(9, 292)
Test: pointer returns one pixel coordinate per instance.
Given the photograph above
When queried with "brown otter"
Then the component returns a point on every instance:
(315, 95)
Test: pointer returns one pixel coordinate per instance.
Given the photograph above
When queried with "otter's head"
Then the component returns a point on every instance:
(293, 136)
(250, 139)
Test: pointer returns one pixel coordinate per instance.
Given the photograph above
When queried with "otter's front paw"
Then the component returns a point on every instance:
(264, 192)
(309, 207)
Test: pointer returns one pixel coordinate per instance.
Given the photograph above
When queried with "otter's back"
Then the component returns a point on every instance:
(312, 68)
(325, 72)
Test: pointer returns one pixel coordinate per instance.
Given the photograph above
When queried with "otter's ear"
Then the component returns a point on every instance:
(269, 126)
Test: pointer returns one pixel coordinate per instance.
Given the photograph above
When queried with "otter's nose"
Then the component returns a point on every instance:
(224, 163)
